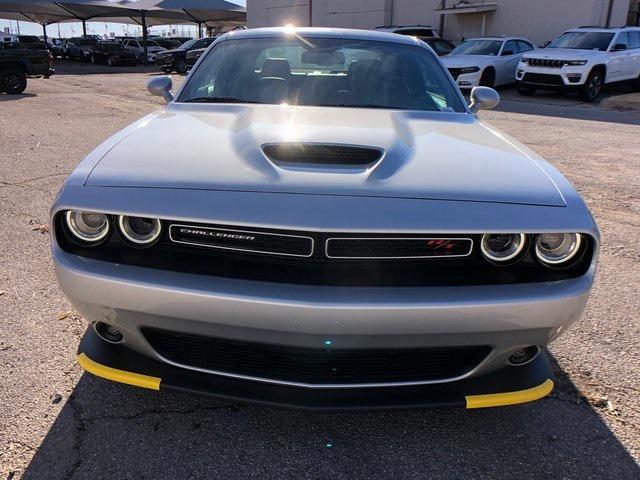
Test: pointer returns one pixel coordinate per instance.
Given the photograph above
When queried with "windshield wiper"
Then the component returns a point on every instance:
(218, 100)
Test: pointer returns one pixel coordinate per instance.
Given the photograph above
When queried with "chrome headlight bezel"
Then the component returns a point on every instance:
(71, 221)
(565, 260)
(512, 256)
(136, 239)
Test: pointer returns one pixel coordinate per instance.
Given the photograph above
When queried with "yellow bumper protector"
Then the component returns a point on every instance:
(510, 398)
(137, 379)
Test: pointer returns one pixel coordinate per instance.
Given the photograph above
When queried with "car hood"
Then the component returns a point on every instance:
(467, 60)
(175, 51)
(561, 53)
(427, 155)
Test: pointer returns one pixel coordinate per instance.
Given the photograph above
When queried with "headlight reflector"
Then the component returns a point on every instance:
(502, 247)
(140, 230)
(556, 248)
(576, 62)
(87, 226)
(469, 70)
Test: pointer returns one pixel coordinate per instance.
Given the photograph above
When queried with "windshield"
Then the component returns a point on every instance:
(441, 47)
(478, 47)
(150, 43)
(331, 72)
(583, 41)
(187, 45)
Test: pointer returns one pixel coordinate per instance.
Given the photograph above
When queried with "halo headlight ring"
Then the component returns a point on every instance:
(575, 247)
(81, 228)
(137, 238)
(519, 240)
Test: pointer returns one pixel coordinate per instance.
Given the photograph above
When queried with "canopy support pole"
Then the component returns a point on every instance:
(199, 29)
(143, 19)
(84, 27)
(44, 31)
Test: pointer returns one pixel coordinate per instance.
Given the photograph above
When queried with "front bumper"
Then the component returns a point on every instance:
(506, 318)
(565, 78)
(468, 80)
(507, 386)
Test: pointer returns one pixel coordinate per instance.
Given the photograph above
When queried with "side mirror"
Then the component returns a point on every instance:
(161, 86)
(618, 47)
(483, 98)
(546, 44)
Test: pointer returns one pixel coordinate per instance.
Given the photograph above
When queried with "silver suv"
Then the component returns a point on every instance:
(583, 59)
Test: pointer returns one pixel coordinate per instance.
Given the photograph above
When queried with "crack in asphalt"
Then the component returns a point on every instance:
(83, 424)
(32, 179)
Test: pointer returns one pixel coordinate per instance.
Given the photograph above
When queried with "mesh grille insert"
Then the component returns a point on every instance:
(315, 365)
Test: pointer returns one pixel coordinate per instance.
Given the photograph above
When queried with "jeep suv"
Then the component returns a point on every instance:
(583, 59)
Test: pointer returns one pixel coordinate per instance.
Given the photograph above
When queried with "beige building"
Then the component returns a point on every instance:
(539, 20)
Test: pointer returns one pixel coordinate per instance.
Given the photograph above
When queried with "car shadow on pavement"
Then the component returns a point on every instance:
(6, 97)
(108, 430)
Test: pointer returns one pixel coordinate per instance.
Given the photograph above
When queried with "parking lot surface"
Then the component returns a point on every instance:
(57, 422)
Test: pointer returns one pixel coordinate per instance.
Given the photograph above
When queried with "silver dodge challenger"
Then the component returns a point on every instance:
(317, 219)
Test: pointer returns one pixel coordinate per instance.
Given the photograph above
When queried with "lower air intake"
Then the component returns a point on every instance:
(320, 365)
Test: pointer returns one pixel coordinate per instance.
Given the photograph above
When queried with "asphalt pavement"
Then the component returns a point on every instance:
(57, 422)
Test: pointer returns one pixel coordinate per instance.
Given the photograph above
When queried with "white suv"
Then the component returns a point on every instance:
(583, 59)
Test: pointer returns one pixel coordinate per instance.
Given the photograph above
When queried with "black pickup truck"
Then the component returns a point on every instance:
(18, 62)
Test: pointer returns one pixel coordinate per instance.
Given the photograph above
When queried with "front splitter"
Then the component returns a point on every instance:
(507, 386)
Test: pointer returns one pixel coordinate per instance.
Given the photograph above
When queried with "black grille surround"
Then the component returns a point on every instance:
(547, 63)
(319, 269)
(543, 79)
(315, 366)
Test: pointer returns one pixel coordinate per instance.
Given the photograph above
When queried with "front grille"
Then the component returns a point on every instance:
(322, 365)
(336, 259)
(543, 79)
(399, 248)
(324, 154)
(545, 62)
(242, 240)
(455, 72)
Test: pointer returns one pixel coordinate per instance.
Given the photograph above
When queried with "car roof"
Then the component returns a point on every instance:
(404, 27)
(502, 38)
(322, 32)
(603, 29)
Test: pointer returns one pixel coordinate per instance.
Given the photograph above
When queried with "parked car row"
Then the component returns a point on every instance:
(583, 59)
(120, 50)
(176, 59)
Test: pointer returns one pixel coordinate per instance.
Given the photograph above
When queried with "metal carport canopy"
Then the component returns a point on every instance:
(46, 12)
(209, 12)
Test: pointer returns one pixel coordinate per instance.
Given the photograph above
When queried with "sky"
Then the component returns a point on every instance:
(73, 29)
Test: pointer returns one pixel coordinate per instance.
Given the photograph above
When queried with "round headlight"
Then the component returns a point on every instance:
(502, 247)
(556, 248)
(88, 226)
(140, 230)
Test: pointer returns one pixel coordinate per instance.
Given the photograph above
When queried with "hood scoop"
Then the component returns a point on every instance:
(319, 154)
